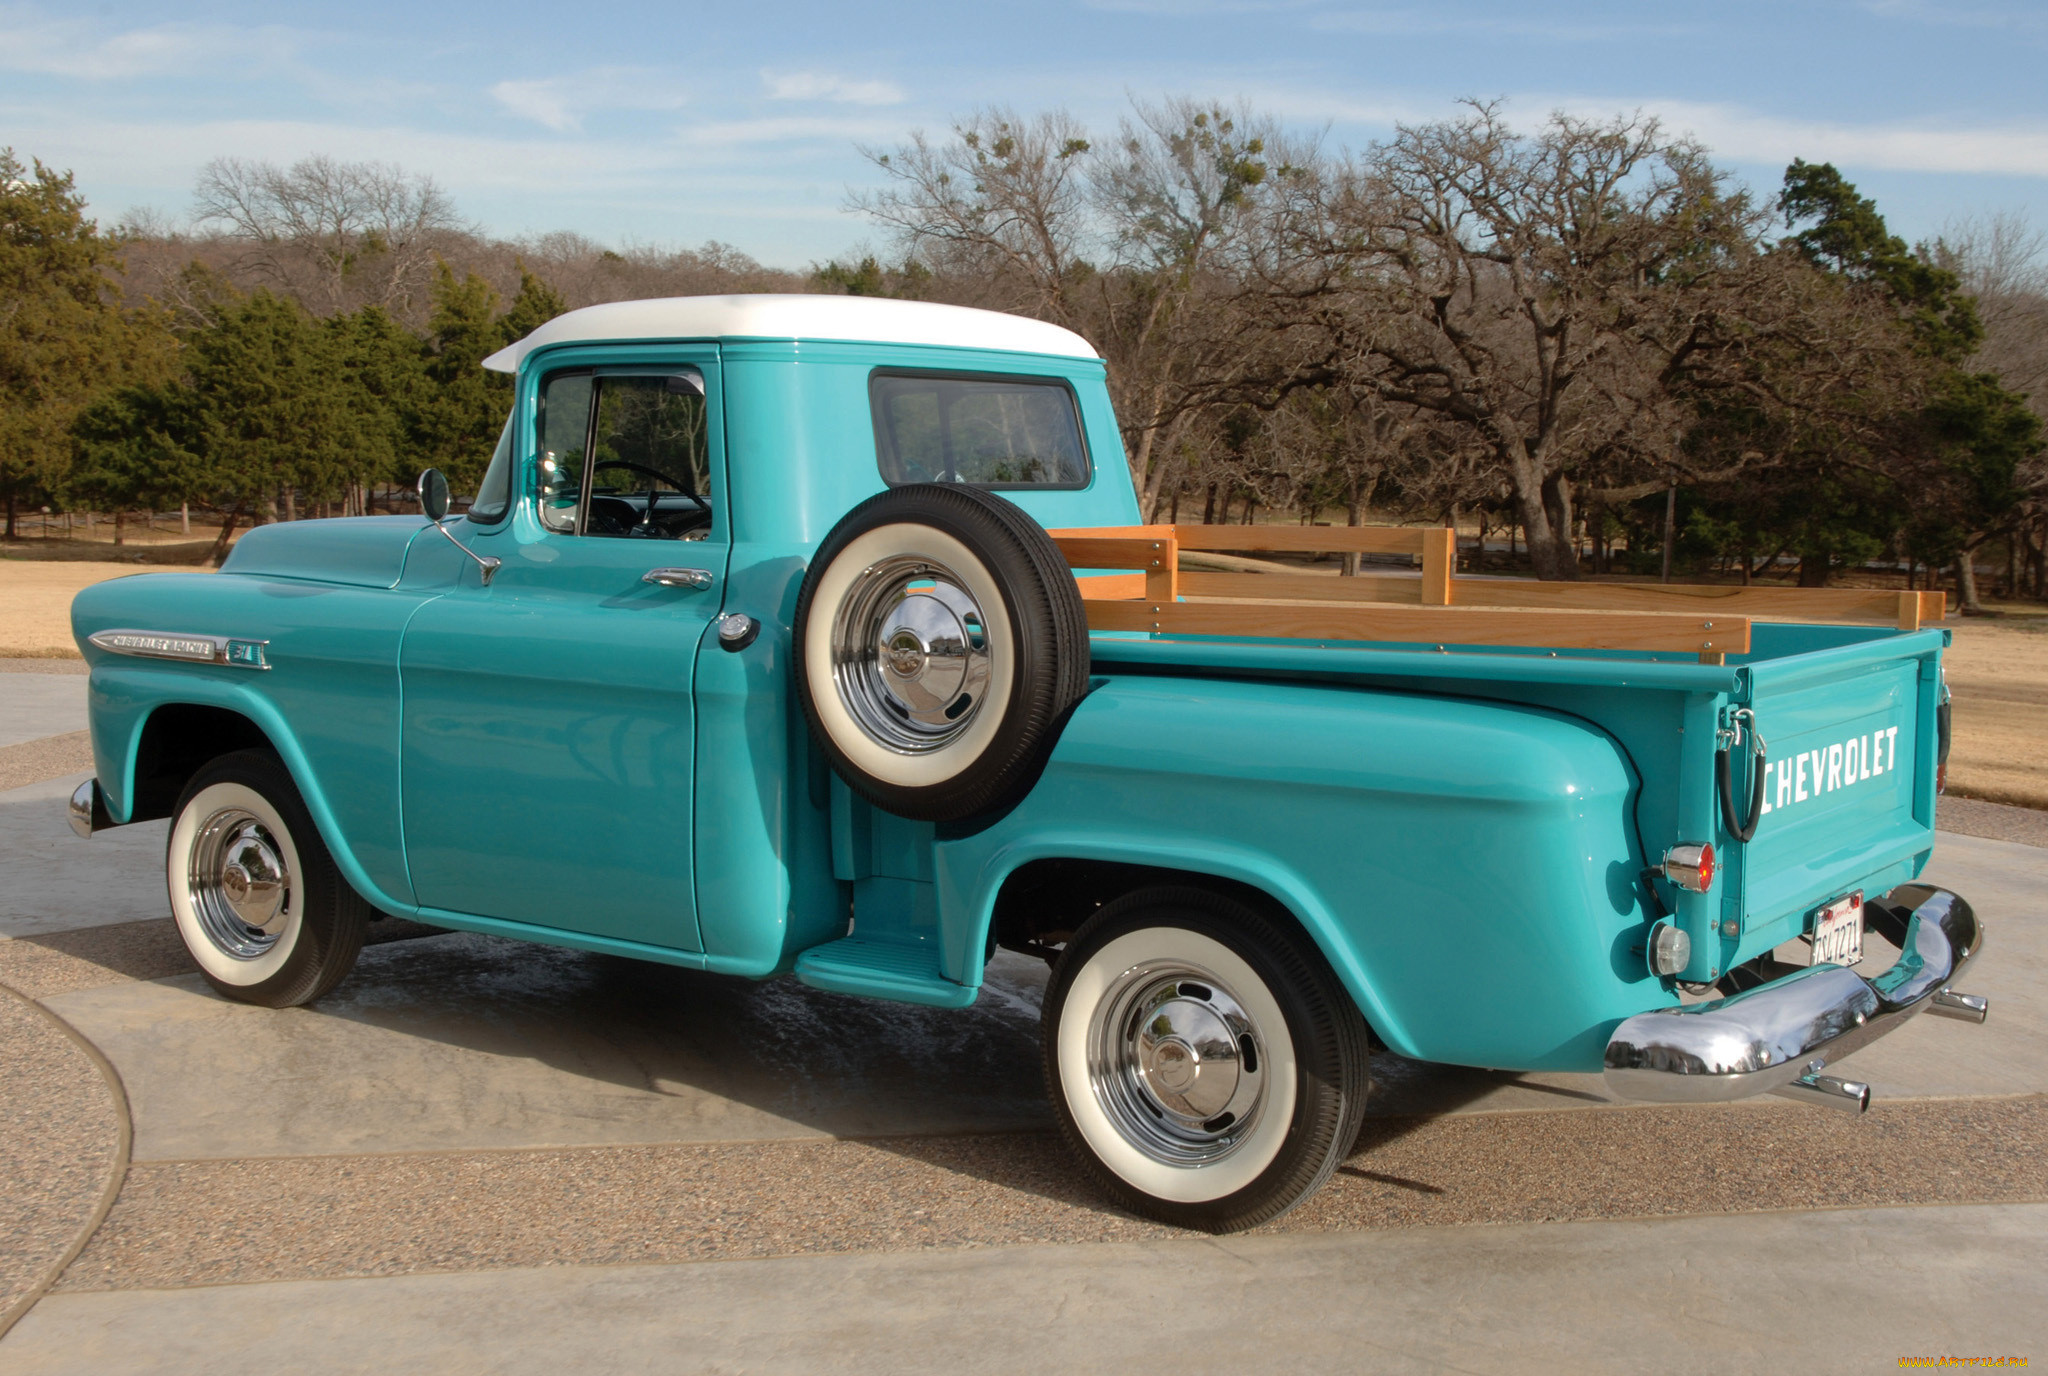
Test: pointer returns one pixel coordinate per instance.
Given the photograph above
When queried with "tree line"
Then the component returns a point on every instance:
(1585, 335)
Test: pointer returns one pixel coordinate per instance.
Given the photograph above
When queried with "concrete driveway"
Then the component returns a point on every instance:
(482, 1155)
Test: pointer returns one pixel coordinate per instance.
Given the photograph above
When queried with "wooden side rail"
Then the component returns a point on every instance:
(1153, 550)
(1148, 601)
(1906, 610)
(1711, 640)
(1438, 607)
(1438, 548)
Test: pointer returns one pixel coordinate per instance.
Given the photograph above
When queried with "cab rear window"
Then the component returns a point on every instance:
(977, 428)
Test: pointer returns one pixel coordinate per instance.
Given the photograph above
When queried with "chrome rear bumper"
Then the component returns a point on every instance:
(1778, 1036)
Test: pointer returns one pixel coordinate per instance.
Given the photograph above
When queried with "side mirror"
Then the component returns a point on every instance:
(434, 501)
(434, 494)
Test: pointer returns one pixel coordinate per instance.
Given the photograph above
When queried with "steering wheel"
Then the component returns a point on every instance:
(653, 476)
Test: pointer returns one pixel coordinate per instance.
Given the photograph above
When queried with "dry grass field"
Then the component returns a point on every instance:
(1998, 669)
(35, 602)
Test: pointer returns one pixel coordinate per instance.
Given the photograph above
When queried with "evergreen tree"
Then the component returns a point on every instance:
(63, 337)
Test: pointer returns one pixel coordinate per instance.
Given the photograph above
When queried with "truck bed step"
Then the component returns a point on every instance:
(907, 972)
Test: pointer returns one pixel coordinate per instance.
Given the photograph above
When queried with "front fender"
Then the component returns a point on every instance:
(329, 703)
(1468, 868)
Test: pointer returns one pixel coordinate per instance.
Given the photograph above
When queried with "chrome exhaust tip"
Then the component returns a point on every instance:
(1969, 1007)
(1850, 1096)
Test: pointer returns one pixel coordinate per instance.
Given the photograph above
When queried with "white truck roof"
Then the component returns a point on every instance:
(863, 319)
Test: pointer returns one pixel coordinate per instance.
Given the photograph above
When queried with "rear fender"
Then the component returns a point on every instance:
(975, 892)
(1469, 869)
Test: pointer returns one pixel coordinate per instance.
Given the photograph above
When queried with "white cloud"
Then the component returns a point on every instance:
(80, 49)
(544, 102)
(826, 86)
(837, 134)
(560, 103)
(2022, 18)
(1733, 133)
(1415, 22)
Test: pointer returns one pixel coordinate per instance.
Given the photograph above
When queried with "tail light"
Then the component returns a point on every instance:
(1668, 951)
(1690, 867)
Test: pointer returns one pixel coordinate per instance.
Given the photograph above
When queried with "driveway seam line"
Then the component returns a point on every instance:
(117, 1172)
(1177, 1236)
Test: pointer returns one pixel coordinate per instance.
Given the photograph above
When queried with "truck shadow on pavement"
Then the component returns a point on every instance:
(444, 1041)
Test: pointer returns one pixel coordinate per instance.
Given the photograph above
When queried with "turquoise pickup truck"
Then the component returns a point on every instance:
(762, 650)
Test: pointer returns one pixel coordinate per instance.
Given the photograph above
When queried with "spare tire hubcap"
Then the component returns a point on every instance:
(911, 654)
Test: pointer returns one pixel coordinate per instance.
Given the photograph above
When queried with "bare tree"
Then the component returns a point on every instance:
(2003, 261)
(334, 235)
(1497, 274)
(1140, 246)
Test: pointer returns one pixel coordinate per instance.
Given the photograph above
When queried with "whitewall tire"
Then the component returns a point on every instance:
(1204, 1061)
(262, 908)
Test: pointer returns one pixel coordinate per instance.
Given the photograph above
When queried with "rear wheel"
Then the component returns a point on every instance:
(1204, 1061)
(258, 900)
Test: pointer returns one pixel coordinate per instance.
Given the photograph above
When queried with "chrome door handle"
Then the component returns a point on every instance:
(678, 578)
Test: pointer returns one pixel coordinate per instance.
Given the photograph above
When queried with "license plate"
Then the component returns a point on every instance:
(1838, 932)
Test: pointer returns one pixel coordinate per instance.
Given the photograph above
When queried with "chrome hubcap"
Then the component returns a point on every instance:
(910, 654)
(1177, 1064)
(240, 886)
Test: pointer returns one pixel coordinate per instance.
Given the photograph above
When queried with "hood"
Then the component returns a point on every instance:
(363, 551)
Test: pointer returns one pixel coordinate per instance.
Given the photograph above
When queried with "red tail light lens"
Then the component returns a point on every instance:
(1690, 867)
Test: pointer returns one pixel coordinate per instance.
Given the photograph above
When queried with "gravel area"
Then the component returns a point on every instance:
(60, 1138)
(70, 664)
(185, 1223)
(1992, 821)
(88, 957)
(50, 757)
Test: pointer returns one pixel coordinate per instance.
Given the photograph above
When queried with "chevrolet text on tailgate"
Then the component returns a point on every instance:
(817, 635)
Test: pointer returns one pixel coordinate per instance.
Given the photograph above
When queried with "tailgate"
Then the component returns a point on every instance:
(1849, 787)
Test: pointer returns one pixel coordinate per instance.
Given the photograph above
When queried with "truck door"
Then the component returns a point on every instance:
(549, 732)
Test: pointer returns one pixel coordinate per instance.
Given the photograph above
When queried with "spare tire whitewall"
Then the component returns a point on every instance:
(940, 642)
(852, 677)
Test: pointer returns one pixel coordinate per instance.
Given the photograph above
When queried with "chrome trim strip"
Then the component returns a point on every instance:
(1765, 1038)
(188, 647)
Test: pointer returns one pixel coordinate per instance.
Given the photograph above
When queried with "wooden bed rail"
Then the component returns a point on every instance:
(1438, 607)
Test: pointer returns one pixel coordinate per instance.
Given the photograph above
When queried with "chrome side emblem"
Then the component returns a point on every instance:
(193, 649)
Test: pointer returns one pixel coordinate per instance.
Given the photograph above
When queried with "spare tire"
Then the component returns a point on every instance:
(940, 641)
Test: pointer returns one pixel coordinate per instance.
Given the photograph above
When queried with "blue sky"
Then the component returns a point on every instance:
(673, 124)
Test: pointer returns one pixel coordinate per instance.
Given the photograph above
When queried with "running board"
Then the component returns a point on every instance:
(906, 972)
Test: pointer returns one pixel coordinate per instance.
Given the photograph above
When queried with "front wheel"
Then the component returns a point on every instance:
(262, 908)
(1205, 1063)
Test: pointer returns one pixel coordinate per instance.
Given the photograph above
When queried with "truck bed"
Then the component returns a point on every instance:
(1861, 698)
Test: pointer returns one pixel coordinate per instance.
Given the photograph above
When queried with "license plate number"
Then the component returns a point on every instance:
(1838, 932)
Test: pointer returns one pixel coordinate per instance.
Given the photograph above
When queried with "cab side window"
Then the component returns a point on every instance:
(625, 456)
